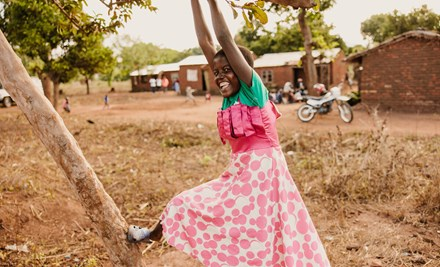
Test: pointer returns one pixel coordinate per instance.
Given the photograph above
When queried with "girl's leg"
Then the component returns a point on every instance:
(156, 233)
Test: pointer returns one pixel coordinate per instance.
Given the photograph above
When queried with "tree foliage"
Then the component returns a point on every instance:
(381, 27)
(51, 43)
(137, 55)
(287, 37)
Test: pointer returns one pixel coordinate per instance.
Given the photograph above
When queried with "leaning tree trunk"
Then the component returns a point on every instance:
(307, 59)
(50, 128)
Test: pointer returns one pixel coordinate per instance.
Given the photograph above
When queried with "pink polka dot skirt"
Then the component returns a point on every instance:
(252, 215)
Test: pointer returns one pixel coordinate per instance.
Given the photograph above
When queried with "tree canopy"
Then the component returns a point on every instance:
(287, 37)
(43, 34)
(381, 27)
(134, 54)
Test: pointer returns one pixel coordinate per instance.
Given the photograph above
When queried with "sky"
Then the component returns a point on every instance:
(172, 25)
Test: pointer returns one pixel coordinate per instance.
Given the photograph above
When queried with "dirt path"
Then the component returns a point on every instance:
(145, 106)
(137, 107)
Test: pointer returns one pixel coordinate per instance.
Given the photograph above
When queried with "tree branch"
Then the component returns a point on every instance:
(68, 16)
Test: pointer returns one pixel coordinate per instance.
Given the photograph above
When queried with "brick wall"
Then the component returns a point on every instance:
(183, 78)
(403, 76)
(208, 79)
(280, 75)
(338, 69)
(142, 84)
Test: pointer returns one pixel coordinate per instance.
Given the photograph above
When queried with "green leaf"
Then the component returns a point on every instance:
(248, 22)
(260, 14)
(234, 12)
(318, 5)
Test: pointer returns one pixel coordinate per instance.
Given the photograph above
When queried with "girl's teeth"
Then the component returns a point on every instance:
(223, 85)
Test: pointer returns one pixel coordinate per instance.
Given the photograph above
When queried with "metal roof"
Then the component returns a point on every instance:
(293, 58)
(155, 69)
(266, 60)
(193, 60)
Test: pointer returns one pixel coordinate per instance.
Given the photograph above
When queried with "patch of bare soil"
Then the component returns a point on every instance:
(372, 186)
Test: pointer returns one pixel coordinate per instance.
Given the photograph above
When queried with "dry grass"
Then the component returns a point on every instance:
(96, 86)
(373, 197)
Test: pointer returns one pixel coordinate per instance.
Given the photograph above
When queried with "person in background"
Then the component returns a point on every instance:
(279, 97)
(273, 96)
(66, 105)
(106, 102)
(158, 84)
(189, 95)
(208, 96)
(152, 85)
(176, 86)
(288, 92)
(301, 87)
(165, 83)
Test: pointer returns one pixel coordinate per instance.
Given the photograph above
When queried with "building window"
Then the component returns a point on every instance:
(144, 79)
(191, 76)
(267, 76)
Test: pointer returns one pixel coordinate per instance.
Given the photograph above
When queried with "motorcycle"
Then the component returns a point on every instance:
(323, 104)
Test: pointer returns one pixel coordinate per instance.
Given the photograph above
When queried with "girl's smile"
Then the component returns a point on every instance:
(225, 77)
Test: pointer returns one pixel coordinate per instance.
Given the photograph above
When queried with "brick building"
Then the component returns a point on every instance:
(195, 72)
(140, 78)
(275, 69)
(402, 73)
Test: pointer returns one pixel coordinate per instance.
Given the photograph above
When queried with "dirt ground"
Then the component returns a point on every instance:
(40, 214)
(169, 107)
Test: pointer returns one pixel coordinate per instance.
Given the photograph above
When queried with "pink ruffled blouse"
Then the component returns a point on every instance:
(248, 128)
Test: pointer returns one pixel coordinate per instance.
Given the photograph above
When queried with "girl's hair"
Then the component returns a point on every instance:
(248, 56)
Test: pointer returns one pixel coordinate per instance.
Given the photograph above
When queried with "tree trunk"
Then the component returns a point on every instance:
(87, 85)
(56, 93)
(50, 128)
(307, 59)
(46, 83)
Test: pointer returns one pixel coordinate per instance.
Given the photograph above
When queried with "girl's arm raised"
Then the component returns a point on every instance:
(203, 35)
(224, 37)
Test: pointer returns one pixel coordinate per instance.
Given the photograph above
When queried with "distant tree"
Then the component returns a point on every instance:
(139, 54)
(381, 27)
(305, 25)
(55, 50)
(90, 56)
(33, 30)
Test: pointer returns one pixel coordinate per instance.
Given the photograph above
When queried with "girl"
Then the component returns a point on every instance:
(253, 214)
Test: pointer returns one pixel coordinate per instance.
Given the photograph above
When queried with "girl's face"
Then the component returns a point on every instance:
(225, 77)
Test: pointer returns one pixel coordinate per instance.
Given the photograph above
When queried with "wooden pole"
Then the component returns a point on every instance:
(49, 127)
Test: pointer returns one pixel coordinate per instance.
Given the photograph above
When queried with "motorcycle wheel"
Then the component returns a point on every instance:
(345, 112)
(305, 113)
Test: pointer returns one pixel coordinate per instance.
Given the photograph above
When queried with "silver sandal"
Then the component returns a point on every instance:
(137, 234)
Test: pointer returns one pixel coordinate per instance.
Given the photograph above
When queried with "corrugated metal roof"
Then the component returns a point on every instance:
(293, 58)
(193, 60)
(155, 69)
(266, 60)
(398, 38)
